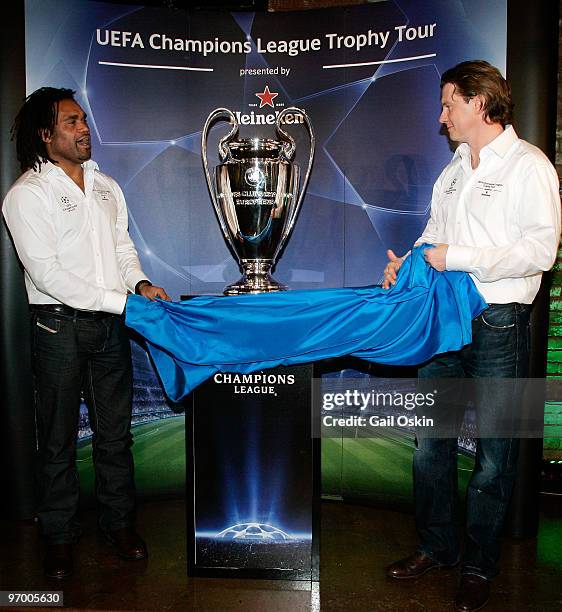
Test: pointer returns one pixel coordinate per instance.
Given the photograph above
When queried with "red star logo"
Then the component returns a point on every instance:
(266, 97)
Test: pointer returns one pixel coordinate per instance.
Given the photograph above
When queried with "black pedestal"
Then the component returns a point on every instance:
(253, 476)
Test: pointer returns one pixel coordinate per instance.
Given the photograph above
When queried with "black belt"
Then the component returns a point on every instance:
(68, 312)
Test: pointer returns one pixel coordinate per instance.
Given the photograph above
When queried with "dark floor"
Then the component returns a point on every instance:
(356, 543)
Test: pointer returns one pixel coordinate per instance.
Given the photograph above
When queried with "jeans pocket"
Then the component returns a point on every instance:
(50, 325)
(499, 317)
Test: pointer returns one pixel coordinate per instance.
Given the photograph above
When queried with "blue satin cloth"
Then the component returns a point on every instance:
(425, 313)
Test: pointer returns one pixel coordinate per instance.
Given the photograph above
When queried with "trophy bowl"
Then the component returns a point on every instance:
(256, 196)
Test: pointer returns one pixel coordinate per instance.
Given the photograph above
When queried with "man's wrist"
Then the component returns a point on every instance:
(141, 284)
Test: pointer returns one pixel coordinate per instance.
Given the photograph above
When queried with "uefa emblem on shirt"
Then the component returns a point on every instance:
(67, 205)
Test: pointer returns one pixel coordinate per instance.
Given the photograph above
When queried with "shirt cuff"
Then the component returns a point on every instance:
(134, 278)
(140, 284)
(459, 258)
(114, 302)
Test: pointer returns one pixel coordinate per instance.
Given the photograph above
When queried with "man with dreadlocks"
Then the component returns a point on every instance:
(69, 223)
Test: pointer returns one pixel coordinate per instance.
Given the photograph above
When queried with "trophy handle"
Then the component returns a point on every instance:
(216, 115)
(289, 149)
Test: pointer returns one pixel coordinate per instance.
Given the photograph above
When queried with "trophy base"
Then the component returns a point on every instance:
(262, 284)
(256, 279)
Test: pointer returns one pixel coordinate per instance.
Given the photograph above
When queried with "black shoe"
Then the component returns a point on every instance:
(473, 593)
(414, 566)
(58, 561)
(128, 543)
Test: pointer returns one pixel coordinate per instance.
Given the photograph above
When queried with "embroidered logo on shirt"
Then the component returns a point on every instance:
(103, 194)
(486, 189)
(67, 204)
(451, 189)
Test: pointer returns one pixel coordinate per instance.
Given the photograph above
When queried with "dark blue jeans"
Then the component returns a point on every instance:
(90, 357)
(499, 349)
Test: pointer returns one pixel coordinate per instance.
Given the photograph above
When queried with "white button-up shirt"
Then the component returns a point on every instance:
(74, 245)
(500, 220)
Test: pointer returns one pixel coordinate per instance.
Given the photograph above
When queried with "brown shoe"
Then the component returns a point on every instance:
(128, 543)
(58, 561)
(473, 593)
(414, 566)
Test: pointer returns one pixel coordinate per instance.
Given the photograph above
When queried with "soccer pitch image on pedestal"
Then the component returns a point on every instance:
(378, 469)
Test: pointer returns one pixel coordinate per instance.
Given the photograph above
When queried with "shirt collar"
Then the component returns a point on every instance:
(48, 168)
(500, 145)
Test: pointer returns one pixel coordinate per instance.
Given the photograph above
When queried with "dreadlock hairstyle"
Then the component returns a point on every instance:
(37, 116)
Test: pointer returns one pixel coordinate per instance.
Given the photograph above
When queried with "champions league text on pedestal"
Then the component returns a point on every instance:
(263, 383)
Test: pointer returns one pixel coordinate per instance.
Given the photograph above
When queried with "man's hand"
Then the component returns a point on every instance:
(437, 257)
(152, 292)
(391, 269)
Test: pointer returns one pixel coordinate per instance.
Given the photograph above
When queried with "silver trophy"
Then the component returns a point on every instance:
(256, 196)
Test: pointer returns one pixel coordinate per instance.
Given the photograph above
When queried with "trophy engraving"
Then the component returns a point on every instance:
(256, 196)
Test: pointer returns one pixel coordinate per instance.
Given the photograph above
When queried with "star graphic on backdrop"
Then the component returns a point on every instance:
(266, 97)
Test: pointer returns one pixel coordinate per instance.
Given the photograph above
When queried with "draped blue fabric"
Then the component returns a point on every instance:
(425, 313)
